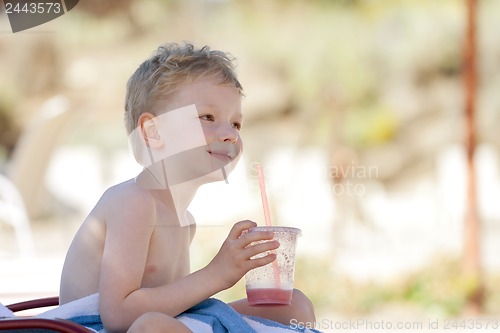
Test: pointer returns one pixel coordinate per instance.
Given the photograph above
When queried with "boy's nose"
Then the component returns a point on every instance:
(228, 134)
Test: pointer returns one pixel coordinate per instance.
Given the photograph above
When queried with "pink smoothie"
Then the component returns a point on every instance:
(269, 296)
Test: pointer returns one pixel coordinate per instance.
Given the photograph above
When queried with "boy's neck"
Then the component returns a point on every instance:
(177, 196)
(182, 195)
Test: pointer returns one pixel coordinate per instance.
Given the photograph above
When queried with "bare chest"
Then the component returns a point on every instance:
(168, 255)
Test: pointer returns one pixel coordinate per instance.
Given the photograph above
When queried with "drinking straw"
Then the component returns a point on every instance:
(263, 195)
(267, 218)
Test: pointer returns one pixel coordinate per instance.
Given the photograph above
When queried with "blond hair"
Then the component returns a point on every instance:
(157, 78)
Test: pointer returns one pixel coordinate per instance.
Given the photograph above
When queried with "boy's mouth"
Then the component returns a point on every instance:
(224, 152)
(222, 155)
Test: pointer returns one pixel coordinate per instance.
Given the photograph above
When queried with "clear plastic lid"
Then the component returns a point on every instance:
(278, 229)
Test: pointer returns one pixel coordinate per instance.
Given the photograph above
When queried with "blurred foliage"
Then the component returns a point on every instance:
(439, 289)
(370, 126)
(9, 133)
(342, 65)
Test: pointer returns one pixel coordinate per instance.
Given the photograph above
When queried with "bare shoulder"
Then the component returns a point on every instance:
(122, 190)
(126, 199)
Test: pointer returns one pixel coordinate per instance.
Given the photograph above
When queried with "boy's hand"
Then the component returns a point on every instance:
(233, 261)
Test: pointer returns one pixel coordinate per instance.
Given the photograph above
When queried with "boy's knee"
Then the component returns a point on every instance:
(147, 322)
(304, 308)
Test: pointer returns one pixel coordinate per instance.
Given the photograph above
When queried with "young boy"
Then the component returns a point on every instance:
(183, 114)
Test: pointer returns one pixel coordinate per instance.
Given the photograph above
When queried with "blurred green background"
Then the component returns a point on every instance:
(354, 107)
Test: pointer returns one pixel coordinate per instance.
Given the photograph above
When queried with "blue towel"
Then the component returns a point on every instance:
(91, 321)
(222, 318)
(209, 316)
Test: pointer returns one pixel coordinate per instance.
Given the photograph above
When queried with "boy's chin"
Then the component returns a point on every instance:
(222, 173)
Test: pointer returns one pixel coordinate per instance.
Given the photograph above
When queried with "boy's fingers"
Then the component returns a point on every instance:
(253, 250)
(238, 228)
(262, 261)
(255, 236)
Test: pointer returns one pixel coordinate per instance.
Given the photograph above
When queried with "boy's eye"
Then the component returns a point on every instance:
(236, 126)
(207, 117)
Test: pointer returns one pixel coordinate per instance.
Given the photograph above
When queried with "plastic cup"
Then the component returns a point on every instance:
(272, 284)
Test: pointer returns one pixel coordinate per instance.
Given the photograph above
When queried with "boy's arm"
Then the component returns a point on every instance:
(122, 300)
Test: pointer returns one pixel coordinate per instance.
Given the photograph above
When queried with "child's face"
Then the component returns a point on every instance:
(198, 131)
(218, 107)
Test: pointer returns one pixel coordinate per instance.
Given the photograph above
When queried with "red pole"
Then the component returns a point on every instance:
(472, 266)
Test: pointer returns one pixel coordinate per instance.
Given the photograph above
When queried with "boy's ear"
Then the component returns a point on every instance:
(148, 125)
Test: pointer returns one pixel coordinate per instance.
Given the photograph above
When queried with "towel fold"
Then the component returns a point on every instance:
(84, 311)
(209, 316)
